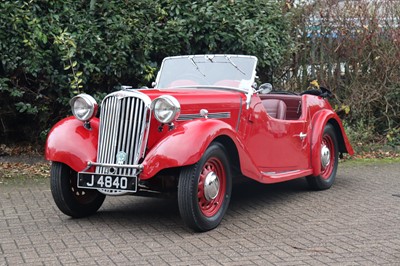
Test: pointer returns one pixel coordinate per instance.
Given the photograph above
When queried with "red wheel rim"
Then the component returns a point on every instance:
(327, 170)
(212, 206)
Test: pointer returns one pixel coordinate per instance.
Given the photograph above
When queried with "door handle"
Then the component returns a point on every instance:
(301, 135)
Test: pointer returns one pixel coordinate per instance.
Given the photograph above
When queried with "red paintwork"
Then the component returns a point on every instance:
(182, 145)
(319, 121)
(269, 150)
(211, 99)
(70, 143)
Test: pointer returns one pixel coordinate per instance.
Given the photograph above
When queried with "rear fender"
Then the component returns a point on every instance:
(69, 142)
(319, 121)
(185, 145)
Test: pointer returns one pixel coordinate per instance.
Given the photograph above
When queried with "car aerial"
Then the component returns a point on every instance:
(204, 124)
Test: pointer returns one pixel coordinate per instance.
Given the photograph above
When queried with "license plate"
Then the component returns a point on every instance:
(95, 181)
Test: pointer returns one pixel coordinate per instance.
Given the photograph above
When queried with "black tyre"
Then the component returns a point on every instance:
(329, 161)
(204, 190)
(70, 199)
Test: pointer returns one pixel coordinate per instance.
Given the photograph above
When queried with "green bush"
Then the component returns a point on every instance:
(255, 27)
(52, 50)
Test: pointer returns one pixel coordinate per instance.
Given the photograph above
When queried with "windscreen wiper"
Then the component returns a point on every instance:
(234, 65)
(195, 65)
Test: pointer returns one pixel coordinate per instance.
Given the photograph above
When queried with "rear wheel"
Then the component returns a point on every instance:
(329, 161)
(70, 199)
(204, 190)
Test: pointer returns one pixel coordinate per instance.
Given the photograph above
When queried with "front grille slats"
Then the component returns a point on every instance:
(128, 113)
(122, 123)
(114, 132)
(136, 131)
(135, 109)
(122, 129)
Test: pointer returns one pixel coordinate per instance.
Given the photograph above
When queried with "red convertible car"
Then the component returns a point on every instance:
(204, 124)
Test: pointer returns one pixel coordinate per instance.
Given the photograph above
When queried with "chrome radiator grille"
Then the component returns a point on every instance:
(122, 134)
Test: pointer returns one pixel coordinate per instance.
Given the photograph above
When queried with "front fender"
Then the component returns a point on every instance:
(69, 142)
(319, 121)
(184, 145)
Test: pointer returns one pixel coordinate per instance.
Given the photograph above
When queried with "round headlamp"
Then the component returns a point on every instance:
(166, 109)
(84, 107)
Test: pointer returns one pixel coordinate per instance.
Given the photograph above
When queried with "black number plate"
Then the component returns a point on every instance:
(95, 181)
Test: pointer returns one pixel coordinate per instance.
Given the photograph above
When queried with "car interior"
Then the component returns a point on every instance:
(282, 106)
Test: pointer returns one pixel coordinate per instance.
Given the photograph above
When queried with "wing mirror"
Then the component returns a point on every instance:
(265, 88)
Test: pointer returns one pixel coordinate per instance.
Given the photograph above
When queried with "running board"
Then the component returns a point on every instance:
(275, 177)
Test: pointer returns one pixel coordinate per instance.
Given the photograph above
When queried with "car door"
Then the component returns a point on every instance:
(277, 145)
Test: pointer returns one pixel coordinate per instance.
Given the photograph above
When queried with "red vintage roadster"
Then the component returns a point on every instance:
(204, 124)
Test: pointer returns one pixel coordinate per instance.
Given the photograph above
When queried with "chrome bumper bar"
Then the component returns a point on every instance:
(133, 166)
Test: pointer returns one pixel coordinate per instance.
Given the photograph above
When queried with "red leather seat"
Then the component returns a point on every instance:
(275, 108)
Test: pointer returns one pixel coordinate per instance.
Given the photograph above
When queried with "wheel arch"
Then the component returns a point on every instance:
(69, 142)
(320, 120)
(174, 151)
(232, 153)
(339, 135)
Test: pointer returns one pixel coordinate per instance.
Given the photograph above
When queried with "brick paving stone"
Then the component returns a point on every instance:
(12, 260)
(353, 223)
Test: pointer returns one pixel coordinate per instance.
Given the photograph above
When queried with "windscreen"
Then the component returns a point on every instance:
(232, 71)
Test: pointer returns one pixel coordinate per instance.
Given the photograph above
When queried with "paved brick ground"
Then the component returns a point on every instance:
(357, 222)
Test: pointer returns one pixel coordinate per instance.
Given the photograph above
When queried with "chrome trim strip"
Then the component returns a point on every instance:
(186, 117)
(133, 166)
(240, 113)
(281, 173)
(130, 93)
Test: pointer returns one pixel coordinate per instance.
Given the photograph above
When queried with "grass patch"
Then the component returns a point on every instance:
(363, 161)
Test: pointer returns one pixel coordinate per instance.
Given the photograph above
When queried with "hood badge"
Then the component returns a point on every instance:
(121, 157)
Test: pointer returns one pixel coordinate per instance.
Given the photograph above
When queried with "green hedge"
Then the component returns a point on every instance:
(52, 50)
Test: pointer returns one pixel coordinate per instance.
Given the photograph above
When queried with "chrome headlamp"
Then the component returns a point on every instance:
(84, 107)
(166, 109)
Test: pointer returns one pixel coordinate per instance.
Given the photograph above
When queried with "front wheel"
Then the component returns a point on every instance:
(329, 161)
(204, 190)
(70, 199)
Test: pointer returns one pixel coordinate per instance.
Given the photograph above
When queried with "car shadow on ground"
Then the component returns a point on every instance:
(251, 189)
(163, 214)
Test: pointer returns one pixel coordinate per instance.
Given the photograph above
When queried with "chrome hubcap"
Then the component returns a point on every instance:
(325, 156)
(211, 186)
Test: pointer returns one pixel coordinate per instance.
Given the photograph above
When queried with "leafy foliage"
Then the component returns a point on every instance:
(352, 47)
(52, 50)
